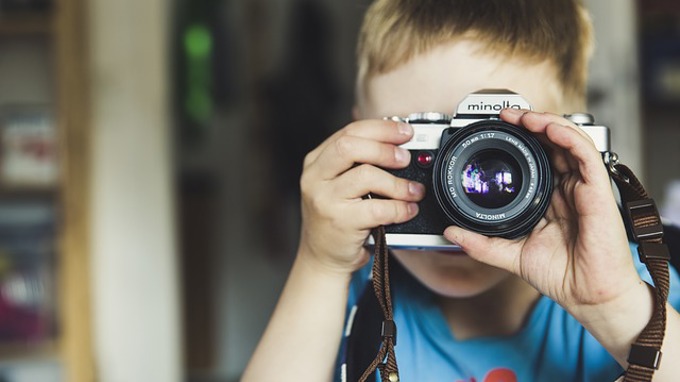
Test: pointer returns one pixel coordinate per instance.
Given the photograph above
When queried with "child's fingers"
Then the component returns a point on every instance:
(581, 152)
(489, 250)
(347, 150)
(536, 122)
(561, 162)
(370, 213)
(366, 179)
(574, 148)
(386, 131)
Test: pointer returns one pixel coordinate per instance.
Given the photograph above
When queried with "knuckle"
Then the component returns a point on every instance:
(385, 213)
(310, 187)
(317, 202)
(305, 184)
(378, 212)
(309, 158)
(345, 146)
(364, 173)
(353, 128)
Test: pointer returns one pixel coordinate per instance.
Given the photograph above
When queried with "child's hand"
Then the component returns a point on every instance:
(578, 254)
(338, 175)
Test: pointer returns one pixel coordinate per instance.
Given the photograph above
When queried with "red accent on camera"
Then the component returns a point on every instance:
(424, 159)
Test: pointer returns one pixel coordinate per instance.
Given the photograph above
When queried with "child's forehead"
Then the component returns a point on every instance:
(439, 79)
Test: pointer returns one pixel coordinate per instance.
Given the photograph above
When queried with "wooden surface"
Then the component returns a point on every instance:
(73, 121)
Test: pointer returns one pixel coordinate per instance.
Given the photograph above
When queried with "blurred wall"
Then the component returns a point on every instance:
(283, 78)
(614, 86)
(134, 274)
(280, 117)
(659, 39)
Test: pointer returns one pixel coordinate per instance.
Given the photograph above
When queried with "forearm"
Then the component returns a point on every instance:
(303, 335)
(617, 325)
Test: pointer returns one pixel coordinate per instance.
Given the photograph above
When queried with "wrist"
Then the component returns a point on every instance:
(324, 265)
(617, 323)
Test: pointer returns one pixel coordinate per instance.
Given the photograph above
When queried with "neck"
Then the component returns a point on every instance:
(500, 311)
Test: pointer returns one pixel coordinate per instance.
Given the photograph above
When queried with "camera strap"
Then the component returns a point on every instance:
(644, 224)
(386, 360)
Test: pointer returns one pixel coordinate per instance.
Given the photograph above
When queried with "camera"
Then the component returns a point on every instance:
(481, 173)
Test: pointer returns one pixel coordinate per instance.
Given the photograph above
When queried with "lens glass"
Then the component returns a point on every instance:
(491, 178)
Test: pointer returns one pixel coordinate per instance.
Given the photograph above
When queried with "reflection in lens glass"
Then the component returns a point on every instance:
(491, 178)
(476, 181)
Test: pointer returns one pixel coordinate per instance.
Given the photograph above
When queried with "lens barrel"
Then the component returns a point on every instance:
(493, 178)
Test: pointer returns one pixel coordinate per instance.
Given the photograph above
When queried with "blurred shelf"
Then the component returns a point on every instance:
(63, 29)
(18, 196)
(28, 351)
(26, 24)
(22, 193)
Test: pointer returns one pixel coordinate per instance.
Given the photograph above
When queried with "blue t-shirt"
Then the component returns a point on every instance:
(552, 345)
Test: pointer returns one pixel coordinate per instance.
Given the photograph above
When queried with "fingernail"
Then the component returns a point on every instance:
(515, 112)
(404, 128)
(451, 236)
(416, 189)
(412, 209)
(401, 155)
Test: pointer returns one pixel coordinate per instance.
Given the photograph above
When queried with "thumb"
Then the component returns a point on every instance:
(489, 250)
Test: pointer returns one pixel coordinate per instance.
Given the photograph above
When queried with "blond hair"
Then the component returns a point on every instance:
(559, 31)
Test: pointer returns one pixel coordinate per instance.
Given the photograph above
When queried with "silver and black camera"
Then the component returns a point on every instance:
(481, 173)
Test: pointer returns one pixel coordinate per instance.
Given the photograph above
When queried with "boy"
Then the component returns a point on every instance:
(503, 310)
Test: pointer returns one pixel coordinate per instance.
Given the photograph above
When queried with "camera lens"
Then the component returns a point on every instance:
(493, 178)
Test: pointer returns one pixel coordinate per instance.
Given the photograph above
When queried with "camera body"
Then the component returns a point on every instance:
(481, 173)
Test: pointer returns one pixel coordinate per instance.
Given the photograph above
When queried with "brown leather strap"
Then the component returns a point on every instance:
(386, 360)
(644, 222)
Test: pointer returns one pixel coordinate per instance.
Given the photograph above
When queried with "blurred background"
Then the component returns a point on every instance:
(149, 161)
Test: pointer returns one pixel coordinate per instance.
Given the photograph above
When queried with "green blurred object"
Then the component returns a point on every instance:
(198, 48)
